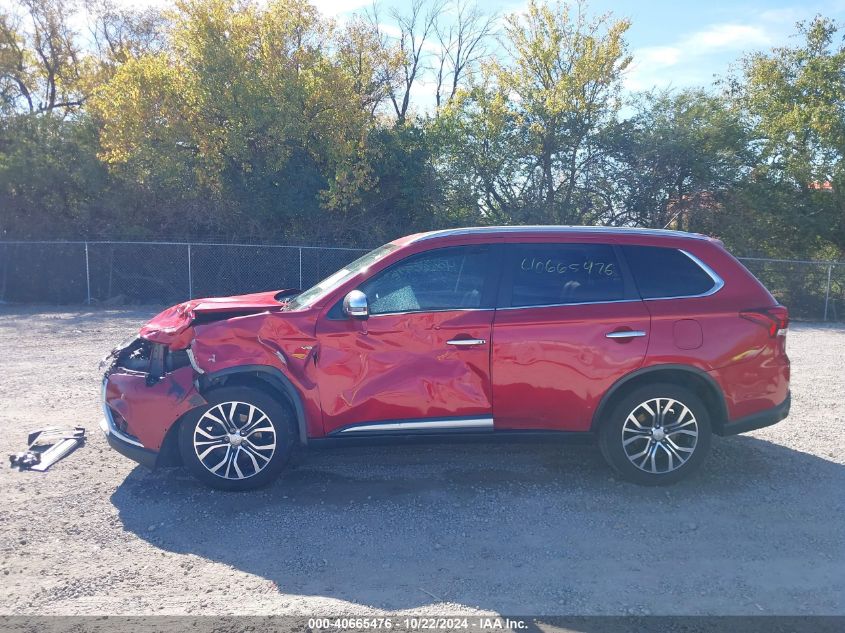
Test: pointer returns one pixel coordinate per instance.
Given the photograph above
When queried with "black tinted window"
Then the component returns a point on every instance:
(443, 279)
(552, 274)
(666, 272)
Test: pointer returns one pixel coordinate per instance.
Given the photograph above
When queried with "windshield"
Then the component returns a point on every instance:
(316, 293)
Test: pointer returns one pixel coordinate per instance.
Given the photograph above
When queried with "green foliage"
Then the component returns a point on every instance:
(36, 175)
(254, 120)
(795, 98)
(248, 108)
(529, 130)
(678, 159)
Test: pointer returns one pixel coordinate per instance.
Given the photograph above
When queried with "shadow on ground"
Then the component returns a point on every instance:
(519, 528)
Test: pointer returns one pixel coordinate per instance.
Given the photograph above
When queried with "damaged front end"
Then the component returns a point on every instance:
(151, 381)
(146, 388)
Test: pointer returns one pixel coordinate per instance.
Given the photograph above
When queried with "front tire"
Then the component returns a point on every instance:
(240, 440)
(656, 435)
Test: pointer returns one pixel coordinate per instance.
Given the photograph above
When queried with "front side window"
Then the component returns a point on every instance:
(558, 274)
(661, 273)
(317, 292)
(443, 279)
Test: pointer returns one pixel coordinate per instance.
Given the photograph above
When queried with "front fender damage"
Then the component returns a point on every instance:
(253, 340)
(151, 385)
(277, 344)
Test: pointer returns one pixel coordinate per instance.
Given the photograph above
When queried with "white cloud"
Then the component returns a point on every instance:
(728, 36)
(787, 15)
(648, 65)
(390, 30)
(336, 7)
(431, 44)
(662, 56)
(680, 63)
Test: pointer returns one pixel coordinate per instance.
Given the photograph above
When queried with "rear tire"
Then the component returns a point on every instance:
(656, 435)
(240, 440)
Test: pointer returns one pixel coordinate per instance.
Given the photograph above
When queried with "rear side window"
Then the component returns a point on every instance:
(559, 274)
(662, 273)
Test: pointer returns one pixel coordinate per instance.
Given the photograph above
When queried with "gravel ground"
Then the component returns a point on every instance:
(524, 528)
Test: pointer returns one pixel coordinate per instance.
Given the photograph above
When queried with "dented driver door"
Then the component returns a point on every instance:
(421, 362)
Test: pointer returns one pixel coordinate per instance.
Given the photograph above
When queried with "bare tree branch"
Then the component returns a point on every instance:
(415, 30)
(372, 59)
(12, 64)
(462, 46)
(120, 34)
(55, 55)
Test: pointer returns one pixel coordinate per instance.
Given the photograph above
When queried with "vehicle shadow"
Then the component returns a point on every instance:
(522, 528)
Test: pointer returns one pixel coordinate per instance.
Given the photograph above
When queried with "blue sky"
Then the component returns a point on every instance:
(677, 43)
(684, 43)
(674, 43)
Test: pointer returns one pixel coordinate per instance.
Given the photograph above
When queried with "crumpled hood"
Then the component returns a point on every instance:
(168, 327)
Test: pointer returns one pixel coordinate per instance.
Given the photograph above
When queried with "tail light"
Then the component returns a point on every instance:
(774, 319)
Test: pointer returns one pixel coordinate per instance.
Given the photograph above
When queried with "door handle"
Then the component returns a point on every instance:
(466, 342)
(625, 334)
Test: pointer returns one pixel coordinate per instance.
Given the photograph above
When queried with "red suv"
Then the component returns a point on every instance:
(649, 341)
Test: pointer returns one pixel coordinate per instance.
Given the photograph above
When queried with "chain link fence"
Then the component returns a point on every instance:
(811, 290)
(156, 273)
(164, 273)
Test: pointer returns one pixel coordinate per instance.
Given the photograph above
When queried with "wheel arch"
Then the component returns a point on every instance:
(699, 381)
(268, 379)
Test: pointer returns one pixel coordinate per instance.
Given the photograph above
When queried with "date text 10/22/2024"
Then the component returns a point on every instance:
(418, 623)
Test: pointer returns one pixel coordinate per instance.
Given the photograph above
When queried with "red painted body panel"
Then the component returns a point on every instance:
(541, 367)
(170, 326)
(754, 386)
(150, 411)
(281, 341)
(751, 367)
(726, 338)
(399, 366)
(551, 366)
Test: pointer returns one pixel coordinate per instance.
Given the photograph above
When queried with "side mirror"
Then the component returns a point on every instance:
(355, 305)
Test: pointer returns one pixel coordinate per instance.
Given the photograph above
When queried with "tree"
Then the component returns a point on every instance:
(264, 110)
(415, 30)
(264, 120)
(122, 34)
(42, 67)
(45, 193)
(462, 46)
(795, 98)
(534, 124)
(480, 155)
(374, 64)
(677, 160)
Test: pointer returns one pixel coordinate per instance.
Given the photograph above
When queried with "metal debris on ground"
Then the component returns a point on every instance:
(47, 446)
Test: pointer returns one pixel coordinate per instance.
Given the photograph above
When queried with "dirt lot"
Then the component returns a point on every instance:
(448, 529)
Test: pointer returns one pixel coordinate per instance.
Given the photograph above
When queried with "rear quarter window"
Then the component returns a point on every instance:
(662, 273)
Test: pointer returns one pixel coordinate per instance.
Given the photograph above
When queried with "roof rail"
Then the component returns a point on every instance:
(555, 230)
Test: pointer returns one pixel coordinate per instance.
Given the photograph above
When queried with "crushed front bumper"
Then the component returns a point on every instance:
(129, 449)
(121, 442)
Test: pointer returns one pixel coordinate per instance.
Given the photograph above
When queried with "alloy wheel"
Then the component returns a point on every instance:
(234, 440)
(660, 435)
